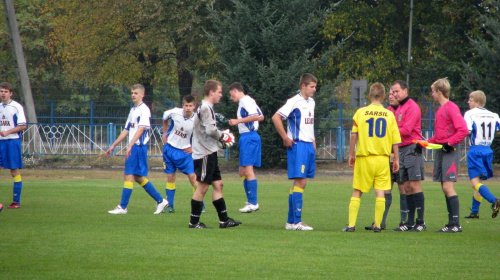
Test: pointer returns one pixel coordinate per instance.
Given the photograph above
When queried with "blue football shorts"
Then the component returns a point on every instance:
(250, 149)
(301, 160)
(137, 162)
(174, 159)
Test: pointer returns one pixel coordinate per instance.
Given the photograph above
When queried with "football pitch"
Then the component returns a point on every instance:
(63, 231)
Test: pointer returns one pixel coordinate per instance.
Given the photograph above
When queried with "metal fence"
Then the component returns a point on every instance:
(95, 139)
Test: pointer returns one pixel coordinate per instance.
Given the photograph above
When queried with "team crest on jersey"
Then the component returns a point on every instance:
(4, 121)
(132, 125)
(309, 120)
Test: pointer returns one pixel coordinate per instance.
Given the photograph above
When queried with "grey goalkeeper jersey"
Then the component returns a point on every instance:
(205, 132)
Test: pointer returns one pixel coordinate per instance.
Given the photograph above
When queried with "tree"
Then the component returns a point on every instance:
(266, 46)
(127, 42)
(483, 71)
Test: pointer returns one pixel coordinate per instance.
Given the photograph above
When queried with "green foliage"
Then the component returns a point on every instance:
(483, 71)
(267, 46)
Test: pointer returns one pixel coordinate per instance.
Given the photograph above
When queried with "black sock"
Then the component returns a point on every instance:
(220, 206)
(403, 206)
(410, 201)
(455, 209)
(388, 202)
(196, 207)
(419, 205)
(448, 207)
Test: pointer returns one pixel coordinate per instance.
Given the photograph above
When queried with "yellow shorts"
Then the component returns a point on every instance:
(372, 171)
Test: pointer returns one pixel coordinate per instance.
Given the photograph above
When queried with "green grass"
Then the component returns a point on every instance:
(63, 231)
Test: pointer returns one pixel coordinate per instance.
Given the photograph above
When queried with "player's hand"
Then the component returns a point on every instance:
(352, 160)
(128, 152)
(233, 122)
(3, 133)
(188, 150)
(109, 151)
(418, 150)
(227, 138)
(447, 148)
(287, 142)
(391, 158)
(395, 166)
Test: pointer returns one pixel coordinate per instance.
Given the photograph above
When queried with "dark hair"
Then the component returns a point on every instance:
(306, 79)
(211, 85)
(237, 86)
(188, 99)
(6, 86)
(401, 83)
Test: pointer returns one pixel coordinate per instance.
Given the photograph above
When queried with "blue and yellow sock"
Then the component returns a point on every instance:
(128, 187)
(290, 208)
(150, 189)
(252, 191)
(353, 210)
(485, 192)
(476, 202)
(297, 202)
(170, 190)
(379, 211)
(17, 189)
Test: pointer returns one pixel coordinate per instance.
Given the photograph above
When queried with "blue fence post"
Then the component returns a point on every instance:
(338, 136)
(91, 125)
(109, 138)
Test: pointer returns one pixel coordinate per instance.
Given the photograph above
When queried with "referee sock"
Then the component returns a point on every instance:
(196, 207)
(455, 209)
(419, 206)
(485, 192)
(220, 206)
(18, 187)
(476, 202)
(353, 210)
(290, 208)
(150, 189)
(403, 206)
(170, 191)
(252, 191)
(410, 201)
(379, 210)
(388, 202)
(128, 187)
(297, 202)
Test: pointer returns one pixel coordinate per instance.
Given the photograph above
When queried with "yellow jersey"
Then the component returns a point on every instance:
(377, 130)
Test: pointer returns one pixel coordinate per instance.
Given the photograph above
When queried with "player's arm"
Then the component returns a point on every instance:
(244, 120)
(395, 163)
(16, 129)
(120, 138)
(165, 129)
(352, 152)
(278, 124)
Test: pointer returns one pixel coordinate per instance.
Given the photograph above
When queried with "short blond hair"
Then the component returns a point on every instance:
(479, 97)
(442, 85)
(377, 92)
(139, 87)
(211, 85)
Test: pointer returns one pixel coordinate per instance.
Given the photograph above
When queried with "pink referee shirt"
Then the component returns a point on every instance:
(450, 127)
(409, 119)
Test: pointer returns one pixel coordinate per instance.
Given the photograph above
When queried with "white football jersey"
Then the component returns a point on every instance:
(247, 108)
(11, 115)
(180, 128)
(482, 125)
(300, 115)
(139, 116)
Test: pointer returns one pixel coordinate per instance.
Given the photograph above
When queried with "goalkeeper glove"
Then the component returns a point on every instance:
(227, 138)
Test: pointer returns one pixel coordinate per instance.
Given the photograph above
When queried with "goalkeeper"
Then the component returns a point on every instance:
(205, 146)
